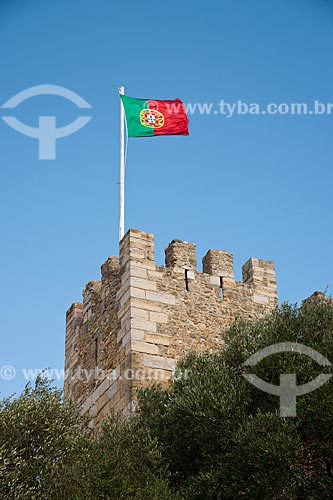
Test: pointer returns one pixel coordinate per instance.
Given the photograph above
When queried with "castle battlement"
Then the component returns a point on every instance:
(140, 318)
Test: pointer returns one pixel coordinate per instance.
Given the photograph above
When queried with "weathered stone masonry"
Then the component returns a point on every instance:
(140, 318)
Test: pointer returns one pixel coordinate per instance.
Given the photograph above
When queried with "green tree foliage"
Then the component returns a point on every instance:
(48, 452)
(223, 438)
(38, 442)
(209, 435)
(122, 462)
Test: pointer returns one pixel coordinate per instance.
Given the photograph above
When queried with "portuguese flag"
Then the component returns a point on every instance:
(147, 117)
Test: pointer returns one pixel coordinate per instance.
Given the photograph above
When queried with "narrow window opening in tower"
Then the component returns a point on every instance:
(186, 280)
(221, 287)
(96, 351)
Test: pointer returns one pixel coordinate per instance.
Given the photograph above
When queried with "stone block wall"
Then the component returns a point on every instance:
(140, 318)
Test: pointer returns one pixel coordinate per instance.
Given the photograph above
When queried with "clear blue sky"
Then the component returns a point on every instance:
(254, 185)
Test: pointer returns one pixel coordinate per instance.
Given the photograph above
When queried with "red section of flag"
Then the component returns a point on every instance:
(175, 118)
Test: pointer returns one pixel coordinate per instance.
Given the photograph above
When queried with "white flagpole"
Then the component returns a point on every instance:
(122, 166)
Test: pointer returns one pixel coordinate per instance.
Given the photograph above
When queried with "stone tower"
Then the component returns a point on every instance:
(140, 318)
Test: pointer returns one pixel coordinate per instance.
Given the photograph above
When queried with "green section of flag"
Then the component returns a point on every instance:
(133, 107)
